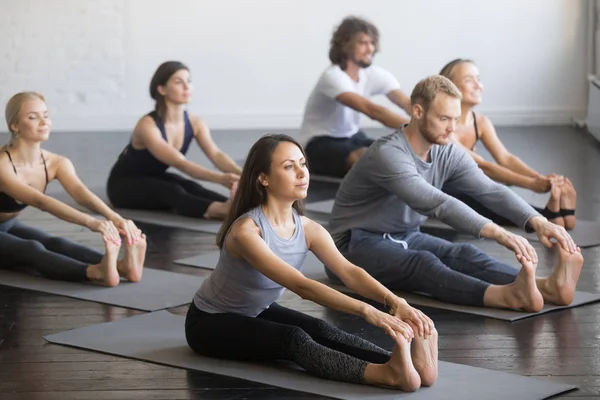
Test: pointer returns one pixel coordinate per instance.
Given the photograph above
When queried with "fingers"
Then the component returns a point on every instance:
(566, 241)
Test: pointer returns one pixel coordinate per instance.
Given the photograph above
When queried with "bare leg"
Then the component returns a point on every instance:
(425, 357)
(106, 272)
(522, 294)
(354, 156)
(568, 201)
(554, 204)
(559, 287)
(399, 372)
(132, 264)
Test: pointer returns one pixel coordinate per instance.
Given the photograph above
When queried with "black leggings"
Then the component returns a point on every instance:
(279, 333)
(166, 191)
(483, 210)
(29, 249)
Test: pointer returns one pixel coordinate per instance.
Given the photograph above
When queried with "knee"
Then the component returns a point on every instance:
(30, 247)
(466, 250)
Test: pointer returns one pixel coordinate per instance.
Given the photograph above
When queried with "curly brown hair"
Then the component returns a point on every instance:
(344, 37)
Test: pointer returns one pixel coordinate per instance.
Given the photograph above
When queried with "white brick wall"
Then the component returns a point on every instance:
(254, 62)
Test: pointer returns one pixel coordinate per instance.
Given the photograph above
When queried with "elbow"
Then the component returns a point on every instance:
(303, 288)
(374, 111)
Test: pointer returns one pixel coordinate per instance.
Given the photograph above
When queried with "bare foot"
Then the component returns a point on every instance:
(132, 265)
(559, 288)
(523, 293)
(568, 201)
(404, 375)
(106, 272)
(554, 204)
(425, 357)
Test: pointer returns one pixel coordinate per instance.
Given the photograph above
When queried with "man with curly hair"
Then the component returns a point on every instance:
(331, 125)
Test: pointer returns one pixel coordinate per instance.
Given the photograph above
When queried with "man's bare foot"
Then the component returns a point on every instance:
(568, 201)
(424, 353)
(559, 287)
(132, 265)
(523, 293)
(554, 204)
(106, 272)
(403, 373)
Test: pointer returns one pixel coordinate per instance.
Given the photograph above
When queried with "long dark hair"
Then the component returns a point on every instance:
(251, 193)
(344, 36)
(163, 73)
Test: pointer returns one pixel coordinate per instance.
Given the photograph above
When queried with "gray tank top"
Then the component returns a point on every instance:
(237, 287)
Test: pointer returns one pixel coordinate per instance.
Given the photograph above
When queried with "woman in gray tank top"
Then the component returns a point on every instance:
(263, 244)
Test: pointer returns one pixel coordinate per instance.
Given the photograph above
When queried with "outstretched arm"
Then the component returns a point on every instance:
(25, 194)
(244, 241)
(69, 180)
(150, 136)
(219, 158)
(358, 280)
(492, 143)
(399, 98)
(372, 110)
(506, 176)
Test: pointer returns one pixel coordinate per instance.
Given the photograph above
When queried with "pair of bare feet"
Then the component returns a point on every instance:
(563, 197)
(413, 364)
(529, 293)
(110, 270)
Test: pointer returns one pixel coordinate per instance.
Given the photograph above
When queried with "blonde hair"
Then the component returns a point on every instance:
(14, 105)
(449, 68)
(426, 90)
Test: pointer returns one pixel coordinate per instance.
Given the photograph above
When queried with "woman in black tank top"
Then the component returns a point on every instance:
(25, 171)
(139, 179)
(508, 169)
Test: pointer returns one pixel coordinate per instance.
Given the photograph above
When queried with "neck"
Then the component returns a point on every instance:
(25, 152)
(466, 114)
(173, 113)
(416, 140)
(352, 70)
(278, 212)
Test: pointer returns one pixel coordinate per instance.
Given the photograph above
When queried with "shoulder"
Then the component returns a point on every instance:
(242, 229)
(145, 124)
(333, 73)
(483, 123)
(198, 125)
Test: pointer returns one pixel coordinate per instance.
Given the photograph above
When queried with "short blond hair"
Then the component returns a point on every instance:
(14, 105)
(426, 90)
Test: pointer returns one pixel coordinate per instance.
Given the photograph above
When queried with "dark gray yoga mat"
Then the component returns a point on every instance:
(159, 337)
(157, 289)
(160, 218)
(313, 268)
(585, 234)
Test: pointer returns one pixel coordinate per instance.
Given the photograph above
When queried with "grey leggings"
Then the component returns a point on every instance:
(279, 333)
(29, 249)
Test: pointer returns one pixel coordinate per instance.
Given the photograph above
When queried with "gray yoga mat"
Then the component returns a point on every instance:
(313, 268)
(160, 218)
(159, 337)
(585, 234)
(157, 289)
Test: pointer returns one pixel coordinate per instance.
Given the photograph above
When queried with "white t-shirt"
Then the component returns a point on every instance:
(325, 116)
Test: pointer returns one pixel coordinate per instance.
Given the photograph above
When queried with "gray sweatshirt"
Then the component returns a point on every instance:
(391, 190)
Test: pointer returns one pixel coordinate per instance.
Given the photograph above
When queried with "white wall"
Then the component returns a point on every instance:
(255, 62)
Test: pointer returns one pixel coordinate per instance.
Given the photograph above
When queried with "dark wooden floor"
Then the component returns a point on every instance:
(562, 346)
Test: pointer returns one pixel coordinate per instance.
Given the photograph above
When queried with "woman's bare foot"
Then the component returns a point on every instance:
(424, 353)
(219, 210)
(554, 204)
(132, 265)
(559, 287)
(398, 372)
(568, 201)
(522, 294)
(106, 272)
